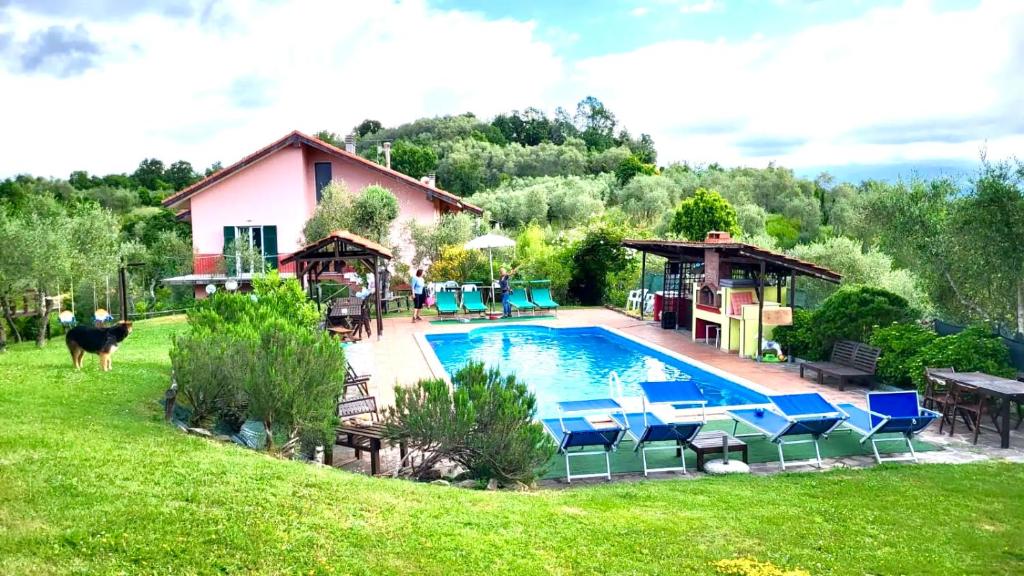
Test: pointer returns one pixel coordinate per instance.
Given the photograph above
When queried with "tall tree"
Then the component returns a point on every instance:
(150, 174)
(413, 160)
(705, 211)
(368, 127)
(596, 124)
(180, 175)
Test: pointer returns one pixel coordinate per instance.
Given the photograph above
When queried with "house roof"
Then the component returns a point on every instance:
(363, 247)
(296, 138)
(736, 251)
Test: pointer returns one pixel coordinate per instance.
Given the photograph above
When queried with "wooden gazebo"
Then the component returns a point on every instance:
(332, 253)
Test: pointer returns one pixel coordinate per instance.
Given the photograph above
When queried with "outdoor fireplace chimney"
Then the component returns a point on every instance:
(387, 155)
(350, 143)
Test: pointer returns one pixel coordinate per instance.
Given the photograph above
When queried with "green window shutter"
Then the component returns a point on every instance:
(229, 259)
(270, 246)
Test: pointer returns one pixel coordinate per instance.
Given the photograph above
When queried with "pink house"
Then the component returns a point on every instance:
(268, 196)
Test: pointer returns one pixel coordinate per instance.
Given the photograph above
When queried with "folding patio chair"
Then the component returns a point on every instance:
(574, 428)
(807, 414)
(890, 413)
(647, 428)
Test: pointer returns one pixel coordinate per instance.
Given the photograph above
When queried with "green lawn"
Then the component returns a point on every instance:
(93, 482)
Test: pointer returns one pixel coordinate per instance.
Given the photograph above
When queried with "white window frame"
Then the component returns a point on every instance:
(247, 230)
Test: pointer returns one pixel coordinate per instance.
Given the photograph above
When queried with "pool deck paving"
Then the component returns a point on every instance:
(397, 358)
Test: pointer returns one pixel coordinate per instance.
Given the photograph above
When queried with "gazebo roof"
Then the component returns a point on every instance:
(733, 252)
(347, 244)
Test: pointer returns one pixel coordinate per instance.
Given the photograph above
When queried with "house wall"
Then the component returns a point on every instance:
(413, 203)
(269, 193)
(280, 190)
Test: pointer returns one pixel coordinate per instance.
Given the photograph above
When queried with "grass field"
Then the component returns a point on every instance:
(93, 482)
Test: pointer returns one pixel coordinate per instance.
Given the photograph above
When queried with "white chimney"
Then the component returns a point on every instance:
(430, 180)
(350, 143)
(387, 155)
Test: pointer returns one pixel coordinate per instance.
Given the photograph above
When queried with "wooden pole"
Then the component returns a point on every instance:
(792, 289)
(122, 280)
(376, 295)
(643, 274)
(760, 311)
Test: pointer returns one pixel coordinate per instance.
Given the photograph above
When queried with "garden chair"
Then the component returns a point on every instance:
(649, 303)
(446, 304)
(583, 424)
(634, 299)
(806, 414)
(520, 302)
(647, 428)
(937, 394)
(971, 406)
(542, 299)
(890, 413)
(472, 303)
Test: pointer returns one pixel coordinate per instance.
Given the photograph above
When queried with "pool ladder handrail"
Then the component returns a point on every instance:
(614, 385)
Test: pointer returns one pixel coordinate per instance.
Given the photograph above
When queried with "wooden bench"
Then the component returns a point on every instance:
(711, 443)
(369, 437)
(850, 361)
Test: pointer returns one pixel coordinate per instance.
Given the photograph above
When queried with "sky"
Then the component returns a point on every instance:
(846, 85)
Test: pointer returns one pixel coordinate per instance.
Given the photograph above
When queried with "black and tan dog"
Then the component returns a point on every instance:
(102, 341)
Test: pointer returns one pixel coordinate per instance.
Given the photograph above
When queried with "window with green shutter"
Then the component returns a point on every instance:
(270, 246)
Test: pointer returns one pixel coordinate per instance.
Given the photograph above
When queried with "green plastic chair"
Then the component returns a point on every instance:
(520, 302)
(472, 302)
(542, 299)
(446, 304)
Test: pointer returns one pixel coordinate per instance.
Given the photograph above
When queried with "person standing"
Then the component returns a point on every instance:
(506, 292)
(419, 294)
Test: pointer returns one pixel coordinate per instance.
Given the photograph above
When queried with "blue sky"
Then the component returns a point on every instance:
(856, 87)
(584, 29)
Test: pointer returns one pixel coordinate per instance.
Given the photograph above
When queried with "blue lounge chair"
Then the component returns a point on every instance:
(808, 414)
(890, 413)
(572, 429)
(646, 428)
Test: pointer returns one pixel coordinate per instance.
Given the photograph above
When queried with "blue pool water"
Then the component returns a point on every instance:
(573, 363)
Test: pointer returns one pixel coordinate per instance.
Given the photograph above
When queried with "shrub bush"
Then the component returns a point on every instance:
(485, 424)
(505, 443)
(272, 298)
(900, 344)
(293, 380)
(206, 369)
(798, 339)
(974, 349)
(853, 312)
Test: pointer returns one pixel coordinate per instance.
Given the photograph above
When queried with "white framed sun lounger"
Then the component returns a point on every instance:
(807, 414)
(647, 427)
(898, 412)
(586, 423)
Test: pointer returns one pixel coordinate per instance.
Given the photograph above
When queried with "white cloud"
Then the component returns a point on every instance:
(902, 84)
(175, 88)
(895, 84)
(640, 11)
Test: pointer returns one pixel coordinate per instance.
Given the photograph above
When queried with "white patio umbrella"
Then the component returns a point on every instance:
(489, 242)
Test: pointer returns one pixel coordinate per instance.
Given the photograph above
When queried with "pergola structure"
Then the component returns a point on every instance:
(719, 261)
(332, 253)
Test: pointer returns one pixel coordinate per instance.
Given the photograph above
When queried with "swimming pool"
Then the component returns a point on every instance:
(573, 363)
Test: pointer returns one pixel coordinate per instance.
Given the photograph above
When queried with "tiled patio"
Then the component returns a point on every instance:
(398, 358)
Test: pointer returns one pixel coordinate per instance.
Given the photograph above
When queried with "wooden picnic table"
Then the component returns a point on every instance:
(1004, 389)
